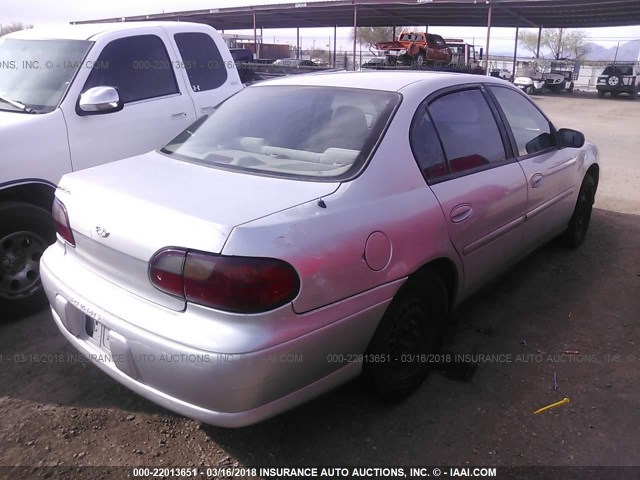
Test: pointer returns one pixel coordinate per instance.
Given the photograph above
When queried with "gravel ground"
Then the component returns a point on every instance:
(68, 413)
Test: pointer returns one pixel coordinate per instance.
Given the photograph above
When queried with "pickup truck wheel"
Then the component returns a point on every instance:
(395, 363)
(419, 60)
(615, 94)
(634, 93)
(579, 223)
(529, 90)
(25, 232)
(601, 93)
(570, 89)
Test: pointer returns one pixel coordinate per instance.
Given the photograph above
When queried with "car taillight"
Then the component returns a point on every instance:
(165, 271)
(233, 284)
(61, 219)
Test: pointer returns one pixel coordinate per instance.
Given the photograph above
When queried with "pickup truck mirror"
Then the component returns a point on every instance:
(570, 138)
(481, 53)
(98, 100)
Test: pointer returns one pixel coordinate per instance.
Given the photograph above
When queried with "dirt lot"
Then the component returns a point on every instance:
(588, 300)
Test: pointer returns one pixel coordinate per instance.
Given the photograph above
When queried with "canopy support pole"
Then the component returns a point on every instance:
(255, 35)
(486, 64)
(515, 53)
(335, 36)
(355, 33)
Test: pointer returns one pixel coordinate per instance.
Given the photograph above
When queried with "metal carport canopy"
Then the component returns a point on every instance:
(505, 13)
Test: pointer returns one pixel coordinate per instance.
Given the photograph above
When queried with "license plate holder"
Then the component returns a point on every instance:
(97, 332)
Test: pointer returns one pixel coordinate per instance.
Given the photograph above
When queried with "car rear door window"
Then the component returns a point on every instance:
(204, 64)
(138, 67)
(531, 130)
(427, 148)
(468, 130)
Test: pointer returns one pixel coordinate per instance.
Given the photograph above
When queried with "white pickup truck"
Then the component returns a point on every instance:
(81, 95)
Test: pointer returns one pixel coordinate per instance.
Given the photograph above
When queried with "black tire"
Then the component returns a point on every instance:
(615, 94)
(412, 325)
(419, 61)
(634, 93)
(529, 90)
(579, 223)
(571, 86)
(601, 93)
(25, 232)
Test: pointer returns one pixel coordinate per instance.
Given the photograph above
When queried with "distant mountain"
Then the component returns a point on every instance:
(627, 52)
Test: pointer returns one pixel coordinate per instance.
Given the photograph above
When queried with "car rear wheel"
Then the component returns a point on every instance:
(571, 86)
(396, 362)
(25, 232)
(529, 90)
(634, 93)
(579, 223)
(601, 93)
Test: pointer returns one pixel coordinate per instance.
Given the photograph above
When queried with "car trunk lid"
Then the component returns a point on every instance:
(122, 213)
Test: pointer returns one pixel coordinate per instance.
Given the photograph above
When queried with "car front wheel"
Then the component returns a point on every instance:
(25, 232)
(579, 223)
(397, 361)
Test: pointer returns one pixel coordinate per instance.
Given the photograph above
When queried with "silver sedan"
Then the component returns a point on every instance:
(311, 229)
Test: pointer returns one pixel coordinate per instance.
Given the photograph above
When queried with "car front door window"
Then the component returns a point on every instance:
(531, 130)
(138, 67)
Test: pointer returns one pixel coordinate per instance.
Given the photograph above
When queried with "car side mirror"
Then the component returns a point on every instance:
(99, 100)
(481, 53)
(570, 138)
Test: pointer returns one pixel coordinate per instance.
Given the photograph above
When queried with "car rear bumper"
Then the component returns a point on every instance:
(224, 389)
(618, 88)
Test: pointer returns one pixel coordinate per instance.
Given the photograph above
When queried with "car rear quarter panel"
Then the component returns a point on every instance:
(327, 245)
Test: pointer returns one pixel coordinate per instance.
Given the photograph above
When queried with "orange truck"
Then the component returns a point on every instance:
(414, 48)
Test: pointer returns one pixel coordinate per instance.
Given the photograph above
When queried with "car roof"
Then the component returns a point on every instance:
(390, 81)
(89, 30)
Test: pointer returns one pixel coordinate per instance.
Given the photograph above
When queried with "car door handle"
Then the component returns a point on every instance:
(536, 180)
(179, 115)
(461, 213)
(207, 109)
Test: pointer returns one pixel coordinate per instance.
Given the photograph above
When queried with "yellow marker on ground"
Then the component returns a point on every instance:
(564, 401)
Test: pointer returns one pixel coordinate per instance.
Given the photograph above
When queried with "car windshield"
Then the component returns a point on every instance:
(290, 131)
(37, 73)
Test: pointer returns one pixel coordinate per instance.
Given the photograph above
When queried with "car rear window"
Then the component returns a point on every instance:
(620, 69)
(306, 132)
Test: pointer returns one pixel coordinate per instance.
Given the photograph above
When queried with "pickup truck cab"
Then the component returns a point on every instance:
(415, 48)
(78, 96)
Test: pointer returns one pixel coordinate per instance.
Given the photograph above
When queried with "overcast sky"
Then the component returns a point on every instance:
(42, 12)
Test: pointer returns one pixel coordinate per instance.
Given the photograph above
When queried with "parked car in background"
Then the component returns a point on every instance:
(257, 261)
(77, 96)
(502, 73)
(294, 62)
(619, 78)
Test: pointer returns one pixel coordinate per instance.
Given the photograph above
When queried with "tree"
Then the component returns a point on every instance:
(370, 35)
(558, 42)
(13, 27)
